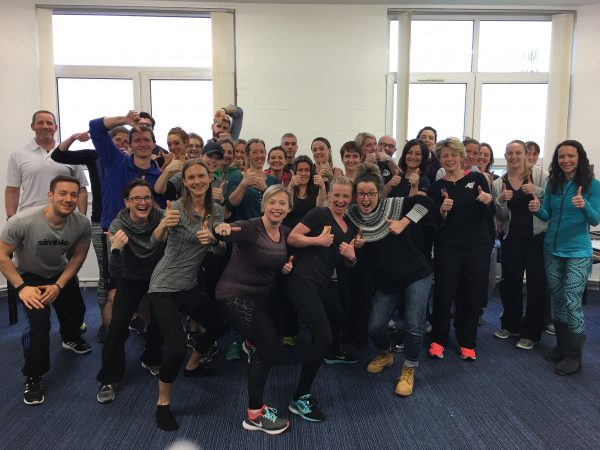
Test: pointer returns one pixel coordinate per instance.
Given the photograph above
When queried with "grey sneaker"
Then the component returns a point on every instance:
(266, 421)
(503, 333)
(525, 344)
(106, 393)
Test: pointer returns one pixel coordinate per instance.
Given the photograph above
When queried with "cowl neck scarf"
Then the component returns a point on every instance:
(374, 226)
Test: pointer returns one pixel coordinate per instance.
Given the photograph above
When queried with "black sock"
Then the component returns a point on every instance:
(165, 419)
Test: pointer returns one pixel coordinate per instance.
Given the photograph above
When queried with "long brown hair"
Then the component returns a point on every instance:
(186, 201)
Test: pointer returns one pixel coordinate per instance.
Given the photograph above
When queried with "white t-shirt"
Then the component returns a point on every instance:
(32, 169)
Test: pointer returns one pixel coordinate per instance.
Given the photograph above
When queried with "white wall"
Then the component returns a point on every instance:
(585, 83)
(311, 69)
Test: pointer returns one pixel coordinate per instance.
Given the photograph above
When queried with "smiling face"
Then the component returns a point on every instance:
(339, 198)
(320, 152)
(367, 196)
(303, 172)
(277, 160)
(276, 208)
(63, 199)
(413, 157)
(121, 140)
(388, 145)
(227, 154)
(485, 156)
(44, 127)
(141, 144)
(351, 161)
(239, 152)
(177, 145)
(532, 156)
(515, 157)
(194, 148)
(139, 203)
(257, 155)
(428, 137)
(219, 128)
(451, 161)
(472, 154)
(568, 159)
(196, 180)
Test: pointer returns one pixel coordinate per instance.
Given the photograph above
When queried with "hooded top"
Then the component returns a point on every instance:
(137, 259)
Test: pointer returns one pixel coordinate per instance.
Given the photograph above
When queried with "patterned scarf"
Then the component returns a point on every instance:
(373, 225)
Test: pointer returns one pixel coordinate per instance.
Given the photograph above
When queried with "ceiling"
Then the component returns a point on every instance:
(426, 3)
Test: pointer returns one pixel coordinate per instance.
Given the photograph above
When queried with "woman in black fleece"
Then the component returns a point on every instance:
(396, 266)
(463, 242)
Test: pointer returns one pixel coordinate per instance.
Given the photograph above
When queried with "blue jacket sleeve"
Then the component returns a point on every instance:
(591, 210)
(108, 152)
(545, 210)
(236, 125)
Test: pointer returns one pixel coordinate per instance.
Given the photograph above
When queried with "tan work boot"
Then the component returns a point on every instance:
(380, 362)
(404, 387)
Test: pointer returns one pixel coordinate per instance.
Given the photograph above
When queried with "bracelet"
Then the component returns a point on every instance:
(59, 288)
(20, 287)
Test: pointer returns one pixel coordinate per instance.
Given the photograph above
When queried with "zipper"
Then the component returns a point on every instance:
(562, 201)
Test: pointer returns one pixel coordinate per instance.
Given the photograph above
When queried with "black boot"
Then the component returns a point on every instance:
(571, 363)
(558, 353)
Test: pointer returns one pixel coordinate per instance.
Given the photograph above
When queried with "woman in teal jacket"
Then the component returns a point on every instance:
(571, 204)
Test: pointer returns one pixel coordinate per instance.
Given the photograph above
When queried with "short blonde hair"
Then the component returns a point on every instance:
(454, 144)
(274, 190)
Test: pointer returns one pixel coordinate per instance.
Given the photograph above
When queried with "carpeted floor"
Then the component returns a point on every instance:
(507, 399)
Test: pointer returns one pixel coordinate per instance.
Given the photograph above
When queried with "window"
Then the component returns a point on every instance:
(478, 76)
(162, 65)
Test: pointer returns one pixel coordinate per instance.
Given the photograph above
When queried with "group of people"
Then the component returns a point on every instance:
(203, 232)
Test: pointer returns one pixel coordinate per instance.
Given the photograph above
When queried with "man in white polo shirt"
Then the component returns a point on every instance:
(30, 169)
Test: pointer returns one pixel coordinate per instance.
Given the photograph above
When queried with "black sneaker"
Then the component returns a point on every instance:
(191, 339)
(34, 391)
(306, 407)
(266, 421)
(106, 393)
(78, 346)
(154, 370)
(341, 358)
(136, 325)
(208, 355)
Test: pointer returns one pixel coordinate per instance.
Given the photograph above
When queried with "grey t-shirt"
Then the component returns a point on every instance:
(178, 268)
(41, 249)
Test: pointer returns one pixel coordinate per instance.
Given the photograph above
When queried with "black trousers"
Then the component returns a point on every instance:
(520, 254)
(168, 309)
(319, 309)
(461, 275)
(70, 310)
(127, 299)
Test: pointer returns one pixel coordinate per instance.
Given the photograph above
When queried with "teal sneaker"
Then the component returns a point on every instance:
(306, 407)
(341, 358)
(233, 351)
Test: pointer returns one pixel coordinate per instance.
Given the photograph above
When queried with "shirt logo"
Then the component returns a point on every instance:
(53, 242)
(470, 185)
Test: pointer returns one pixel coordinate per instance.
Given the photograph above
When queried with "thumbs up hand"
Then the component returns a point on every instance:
(484, 197)
(578, 200)
(117, 240)
(288, 266)
(447, 204)
(204, 235)
(171, 217)
(506, 194)
(534, 205)
(347, 250)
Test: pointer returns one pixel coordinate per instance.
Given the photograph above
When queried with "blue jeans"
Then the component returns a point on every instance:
(415, 297)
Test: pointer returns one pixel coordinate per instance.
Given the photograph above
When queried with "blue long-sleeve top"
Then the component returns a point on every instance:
(119, 170)
(568, 233)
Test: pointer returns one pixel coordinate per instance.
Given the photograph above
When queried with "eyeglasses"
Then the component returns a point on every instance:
(371, 195)
(388, 145)
(138, 199)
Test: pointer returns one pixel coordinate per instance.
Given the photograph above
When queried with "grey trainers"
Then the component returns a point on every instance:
(106, 393)
(154, 370)
(266, 421)
(503, 333)
(525, 344)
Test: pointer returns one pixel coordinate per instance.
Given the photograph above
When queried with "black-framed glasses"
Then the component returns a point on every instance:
(371, 195)
(138, 199)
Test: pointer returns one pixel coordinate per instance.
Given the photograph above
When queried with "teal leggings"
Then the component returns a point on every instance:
(567, 279)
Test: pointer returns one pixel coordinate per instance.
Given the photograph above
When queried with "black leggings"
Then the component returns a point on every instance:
(127, 299)
(253, 321)
(167, 309)
(320, 310)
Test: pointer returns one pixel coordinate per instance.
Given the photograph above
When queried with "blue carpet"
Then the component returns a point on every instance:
(507, 399)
